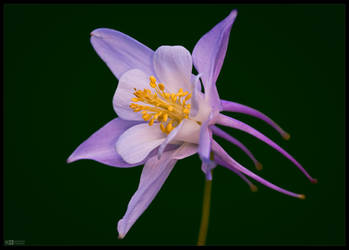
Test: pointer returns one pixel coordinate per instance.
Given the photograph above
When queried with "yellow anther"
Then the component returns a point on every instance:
(162, 127)
(164, 117)
(187, 97)
(152, 79)
(151, 122)
(152, 84)
(161, 86)
(169, 109)
(158, 116)
(146, 117)
(169, 127)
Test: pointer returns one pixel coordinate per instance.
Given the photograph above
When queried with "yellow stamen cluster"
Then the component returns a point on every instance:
(167, 108)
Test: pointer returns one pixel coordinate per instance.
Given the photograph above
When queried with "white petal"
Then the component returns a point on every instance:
(186, 150)
(173, 66)
(131, 79)
(190, 132)
(138, 141)
(202, 106)
(197, 96)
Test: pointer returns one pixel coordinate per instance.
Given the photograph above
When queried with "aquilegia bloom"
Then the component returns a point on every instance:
(164, 116)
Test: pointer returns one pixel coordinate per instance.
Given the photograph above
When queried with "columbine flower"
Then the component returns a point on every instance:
(164, 116)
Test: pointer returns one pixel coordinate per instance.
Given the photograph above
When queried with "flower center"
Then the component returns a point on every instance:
(167, 108)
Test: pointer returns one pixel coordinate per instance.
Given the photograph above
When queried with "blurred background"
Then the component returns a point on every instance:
(284, 60)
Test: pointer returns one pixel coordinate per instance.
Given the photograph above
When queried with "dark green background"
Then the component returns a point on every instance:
(284, 60)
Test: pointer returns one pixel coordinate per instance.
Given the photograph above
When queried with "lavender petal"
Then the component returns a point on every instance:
(208, 56)
(204, 148)
(154, 174)
(121, 52)
(100, 146)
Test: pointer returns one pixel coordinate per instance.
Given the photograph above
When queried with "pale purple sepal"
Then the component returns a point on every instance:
(231, 164)
(207, 167)
(240, 108)
(225, 135)
(204, 148)
(208, 56)
(153, 176)
(205, 141)
(231, 122)
(100, 146)
(121, 52)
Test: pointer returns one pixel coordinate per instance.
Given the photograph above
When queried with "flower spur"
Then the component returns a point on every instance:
(163, 115)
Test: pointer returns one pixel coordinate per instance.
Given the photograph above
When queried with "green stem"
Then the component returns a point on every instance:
(205, 213)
